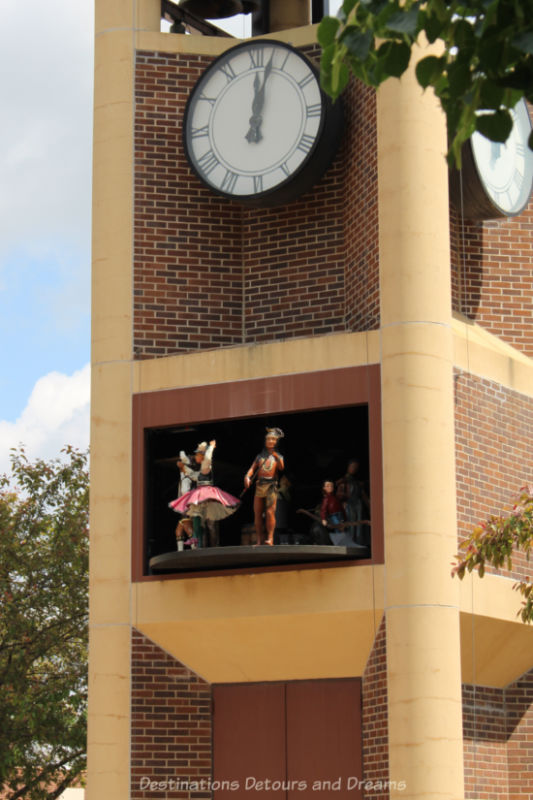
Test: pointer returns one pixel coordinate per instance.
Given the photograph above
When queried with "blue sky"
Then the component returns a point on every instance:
(46, 67)
(46, 83)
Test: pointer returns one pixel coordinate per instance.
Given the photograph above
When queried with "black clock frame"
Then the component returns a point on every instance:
(312, 168)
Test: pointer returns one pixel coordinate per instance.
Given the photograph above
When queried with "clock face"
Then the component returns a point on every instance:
(506, 170)
(254, 121)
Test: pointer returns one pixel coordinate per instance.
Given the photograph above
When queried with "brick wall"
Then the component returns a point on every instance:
(375, 717)
(187, 261)
(494, 442)
(498, 741)
(360, 203)
(492, 274)
(211, 273)
(171, 725)
(485, 743)
(519, 705)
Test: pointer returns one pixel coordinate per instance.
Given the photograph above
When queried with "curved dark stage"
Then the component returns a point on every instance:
(242, 556)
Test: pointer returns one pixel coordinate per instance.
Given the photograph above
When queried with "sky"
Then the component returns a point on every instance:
(46, 85)
(46, 63)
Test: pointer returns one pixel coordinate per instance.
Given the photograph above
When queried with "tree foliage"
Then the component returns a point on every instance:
(43, 624)
(483, 68)
(493, 542)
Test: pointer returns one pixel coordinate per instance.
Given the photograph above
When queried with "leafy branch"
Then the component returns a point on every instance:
(484, 64)
(494, 542)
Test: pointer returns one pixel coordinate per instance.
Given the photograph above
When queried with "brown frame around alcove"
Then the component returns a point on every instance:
(320, 390)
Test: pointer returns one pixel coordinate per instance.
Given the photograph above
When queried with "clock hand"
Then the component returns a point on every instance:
(254, 132)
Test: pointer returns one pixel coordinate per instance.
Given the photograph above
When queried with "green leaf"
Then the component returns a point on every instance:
(463, 35)
(405, 21)
(340, 77)
(459, 78)
(327, 31)
(394, 58)
(511, 97)
(496, 126)
(347, 8)
(492, 53)
(357, 43)
(326, 68)
(433, 27)
(523, 42)
(428, 69)
(491, 95)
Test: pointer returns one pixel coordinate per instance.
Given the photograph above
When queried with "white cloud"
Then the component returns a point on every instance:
(46, 60)
(57, 414)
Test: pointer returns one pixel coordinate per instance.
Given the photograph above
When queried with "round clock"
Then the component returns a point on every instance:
(497, 179)
(257, 127)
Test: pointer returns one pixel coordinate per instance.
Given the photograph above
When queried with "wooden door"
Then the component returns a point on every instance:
(324, 750)
(299, 739)
(249, 743)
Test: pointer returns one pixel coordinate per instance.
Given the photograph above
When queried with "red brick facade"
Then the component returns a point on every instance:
(172, 730)
(519, 706)
(485, 743)
(498, 741)
(210, 273)
(360, 203)
(494, 442)
(492, 275)
(375, 717)
(171, 725)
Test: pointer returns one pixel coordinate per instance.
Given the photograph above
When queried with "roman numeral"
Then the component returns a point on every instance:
(257, 57)
(306, 143)
(211, 100)
(314, 111)
(517, 178)
(308, 78)
(285, 169)
(258, 183)
(208, 162)
(228, 71)
(229, 181)
(285, 59)
(198, 132)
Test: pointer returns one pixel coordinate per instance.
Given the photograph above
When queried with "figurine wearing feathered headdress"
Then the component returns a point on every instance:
(265, 471)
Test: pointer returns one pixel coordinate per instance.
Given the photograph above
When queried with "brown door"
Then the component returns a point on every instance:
(287, 740)
(249, 740)
(324, 739)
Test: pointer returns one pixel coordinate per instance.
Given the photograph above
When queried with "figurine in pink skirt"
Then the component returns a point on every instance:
(206, 503)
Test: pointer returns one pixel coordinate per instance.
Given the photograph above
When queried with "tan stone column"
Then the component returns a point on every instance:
(421, 599)
(286, 14)
(109, 639)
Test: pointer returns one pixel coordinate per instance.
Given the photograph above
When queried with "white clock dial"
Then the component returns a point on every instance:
(254, 119)
(506, 170)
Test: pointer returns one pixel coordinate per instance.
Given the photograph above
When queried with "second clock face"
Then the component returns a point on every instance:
(254, 119)
(506, 170)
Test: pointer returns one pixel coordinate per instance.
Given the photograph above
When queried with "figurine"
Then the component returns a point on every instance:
(265, 470)
(206, 503)
(351, 492)
(184, 527)
(331, 510)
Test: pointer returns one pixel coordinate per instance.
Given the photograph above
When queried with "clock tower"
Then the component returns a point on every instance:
(261, 260)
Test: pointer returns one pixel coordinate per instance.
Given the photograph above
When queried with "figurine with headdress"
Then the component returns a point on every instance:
(265, 470)
(184, 528)
(205, 503)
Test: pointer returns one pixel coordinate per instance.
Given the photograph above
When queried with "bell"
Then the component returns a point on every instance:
(219, 9)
